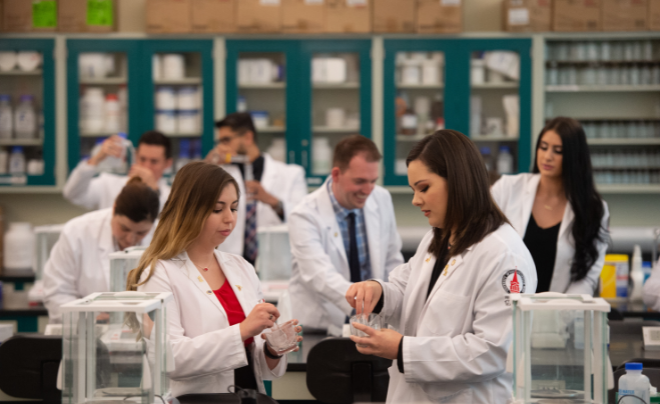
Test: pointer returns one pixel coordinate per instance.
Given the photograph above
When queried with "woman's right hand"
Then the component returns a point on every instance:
(364, 295)
(262, 316)
(110, 147)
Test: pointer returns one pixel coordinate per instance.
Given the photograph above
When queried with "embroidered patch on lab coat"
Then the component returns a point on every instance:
(513, 281)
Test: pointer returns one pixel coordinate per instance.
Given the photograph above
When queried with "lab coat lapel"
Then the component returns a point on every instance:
(372, 222)
(238, 284)
(327, 214)
(106, 245)
(528, 203)
(268, 176)
(413, 309)
(198, 280)
(452, 267)
(567, 220)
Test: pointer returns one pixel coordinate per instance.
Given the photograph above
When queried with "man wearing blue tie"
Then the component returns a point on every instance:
(344, 232)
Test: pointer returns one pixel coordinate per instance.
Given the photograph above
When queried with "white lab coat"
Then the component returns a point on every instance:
(321, 274)
(455, 342)
(79, 264)
(287, 183)
(206, 348)
(652, 289)
(515, 195)
(84, 190)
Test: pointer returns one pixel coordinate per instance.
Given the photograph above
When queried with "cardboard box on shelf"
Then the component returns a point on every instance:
(86, 15)
(168, 16)
(527, 15)
(625, 15)
(654, 15)
(29, 15)
(344, 16)
(303, 16)
(439, 16)
(214, 16)
(577, 15)
(394, 15)
(131, 16)
(259, 16)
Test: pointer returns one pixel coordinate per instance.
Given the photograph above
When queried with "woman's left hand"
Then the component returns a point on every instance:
(298, 338)
(383, 343)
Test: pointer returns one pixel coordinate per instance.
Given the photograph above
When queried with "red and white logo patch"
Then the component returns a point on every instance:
(513, 281)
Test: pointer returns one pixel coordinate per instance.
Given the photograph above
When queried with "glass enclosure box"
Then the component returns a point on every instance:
(46, 237)
(274, 261)
(560, 348)
(121, 263)
(115, 349)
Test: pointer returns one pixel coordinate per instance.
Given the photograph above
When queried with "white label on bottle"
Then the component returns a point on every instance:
(518, 16)
(409, 121)
(450, 2)
(356, 3)
(269, 2)
(25, 122)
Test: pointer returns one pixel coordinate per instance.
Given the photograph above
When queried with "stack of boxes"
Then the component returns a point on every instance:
(58, 15)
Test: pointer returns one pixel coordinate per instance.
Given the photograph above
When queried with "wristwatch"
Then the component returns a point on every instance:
(270, 355)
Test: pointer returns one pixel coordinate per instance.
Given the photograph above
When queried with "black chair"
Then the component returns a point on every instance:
(29, 365)
(651, 373)
(338, 374)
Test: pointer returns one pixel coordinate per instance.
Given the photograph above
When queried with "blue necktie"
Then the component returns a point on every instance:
(353, 257)
(251, 245)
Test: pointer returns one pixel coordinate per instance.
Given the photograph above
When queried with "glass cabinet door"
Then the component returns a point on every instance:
(338, 83)
(500, 103)
(27, 112)
(179, 100)
(104, 98)
(259, 81)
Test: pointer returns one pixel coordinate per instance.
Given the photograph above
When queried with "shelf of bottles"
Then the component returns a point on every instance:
(419, 100)
(335, 106)
(495, 109)
(103, 91)
(21, 116)
(262, 93)
(615, 86)
(178, 104)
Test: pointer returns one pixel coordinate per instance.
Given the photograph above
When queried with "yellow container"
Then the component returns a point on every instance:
(614, 276)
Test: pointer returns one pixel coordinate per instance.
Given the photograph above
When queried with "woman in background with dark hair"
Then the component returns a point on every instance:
(557, 210)
(79, 264)
(450, 302)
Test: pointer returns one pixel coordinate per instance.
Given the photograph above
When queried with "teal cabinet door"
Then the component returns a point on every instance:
(100, 70)
(262, 78)
(479, 87)
(27, 114)
(178, 95)
(335, 100)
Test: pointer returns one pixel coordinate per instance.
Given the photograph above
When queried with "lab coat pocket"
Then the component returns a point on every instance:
(445, 314)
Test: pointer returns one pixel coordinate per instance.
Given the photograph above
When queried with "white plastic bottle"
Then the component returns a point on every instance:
(25, 119)
(6, 117)
(19, 245)
(112, 164)
(636, 275)
(322, 156)
(505, 161)
(17, 161)
(112, 114)
(92, 111)
(634, 383)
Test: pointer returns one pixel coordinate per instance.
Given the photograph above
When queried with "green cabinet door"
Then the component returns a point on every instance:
(38, 84)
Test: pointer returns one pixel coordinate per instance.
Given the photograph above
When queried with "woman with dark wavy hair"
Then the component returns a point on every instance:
(557, 210)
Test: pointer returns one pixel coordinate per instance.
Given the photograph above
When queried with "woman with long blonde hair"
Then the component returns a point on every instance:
(217, 309)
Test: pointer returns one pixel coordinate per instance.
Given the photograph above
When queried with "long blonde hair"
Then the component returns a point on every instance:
(196, 189)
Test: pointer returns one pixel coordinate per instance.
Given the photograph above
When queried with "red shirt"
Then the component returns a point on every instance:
(232, 306)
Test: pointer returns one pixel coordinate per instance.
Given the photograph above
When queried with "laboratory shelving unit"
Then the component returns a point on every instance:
(455, 90)
(610, 82)
(293, 103)
(40, 83)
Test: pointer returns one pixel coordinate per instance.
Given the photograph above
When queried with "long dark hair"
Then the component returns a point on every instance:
(470, 206)
(586, 202)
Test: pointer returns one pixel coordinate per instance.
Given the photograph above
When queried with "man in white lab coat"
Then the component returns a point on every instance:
(276, 187)
(344, 232)
(153, 156)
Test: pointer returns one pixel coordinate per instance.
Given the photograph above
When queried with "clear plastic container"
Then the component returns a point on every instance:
(634, 383)
(25, 119)
(19, 244)
(505, 161)
(112, 114)
(17, 161)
